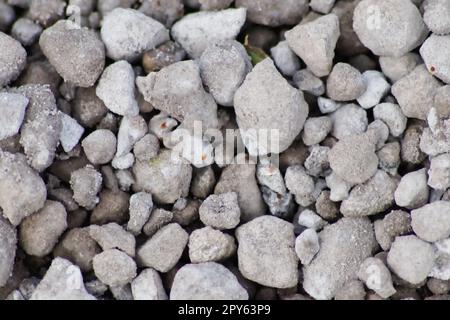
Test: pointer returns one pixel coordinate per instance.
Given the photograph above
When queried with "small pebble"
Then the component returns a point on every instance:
(206, 281)
(314, 42)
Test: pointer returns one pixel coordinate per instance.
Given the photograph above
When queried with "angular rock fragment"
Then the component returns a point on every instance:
(163, 250)
(114, 268)
(307, 246)
(274, 12)
(12, 60)
(377, 277)
(207, 245)
(416, 103)
(128, 33)
(344, 245)
(314, 42)
(206, 281)
(178, 91)
(100, 146)
(41, 129)
(223, 68)
(116, 89)
(76, 53)
(63, 281)
(141, 206)
(29, 192)
(12, 113)
(8, 243)
(240, 178)
(374, 196)
(166, 177)
(270, 113)
(221, 211)
(266, 252)
(389, 27)
(345, 83)
(411, 258)
(113, 236)
(86, 183)
(197, 30)
(148, 286)
(78, 247)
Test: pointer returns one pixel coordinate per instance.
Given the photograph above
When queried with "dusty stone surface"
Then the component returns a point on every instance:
(208, 280)
(264, 261)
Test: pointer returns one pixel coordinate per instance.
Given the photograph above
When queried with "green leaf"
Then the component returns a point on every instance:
(256, 54)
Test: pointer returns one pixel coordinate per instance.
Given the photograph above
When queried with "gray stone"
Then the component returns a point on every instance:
(62, 281)
(116, 89)
(178, 91)
(432, 221)
(412, 191)
(376, 88)
(114, 268)
(314, 42)
(207, 245)
(206, 281)
(13, 59)
(128, 33)
(395, 223)
(415, 102)
(76, 53)
(100, 146)
(377, 277)
(163, 250)
(240, 178)
(197, 30)
(307, 246)
(8, 245)
(86, 183)
(71, 132)
(221, 211)
(41, 128)
(29, 192)
(148, 286)
(374, 196)
(266, 252)
(12, 113)
(433, 52)
(141, 206)
(274, 12)
(308, 82)
(390, 27)
(158, 219)
(40, 232)
(363, 163)
(267, 102)
(392, 115)
(113, 236)
(285, 59)
(345, 83)
(316, 130)
(411, 258)
(223, 68)
(396, 68)
(344, 245)
(348, 120)
(435, 16)
(166, 177)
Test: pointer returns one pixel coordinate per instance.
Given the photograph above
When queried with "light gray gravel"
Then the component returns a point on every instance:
(219, 149)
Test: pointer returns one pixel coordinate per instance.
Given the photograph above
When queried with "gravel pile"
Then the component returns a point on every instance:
(225, 149)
